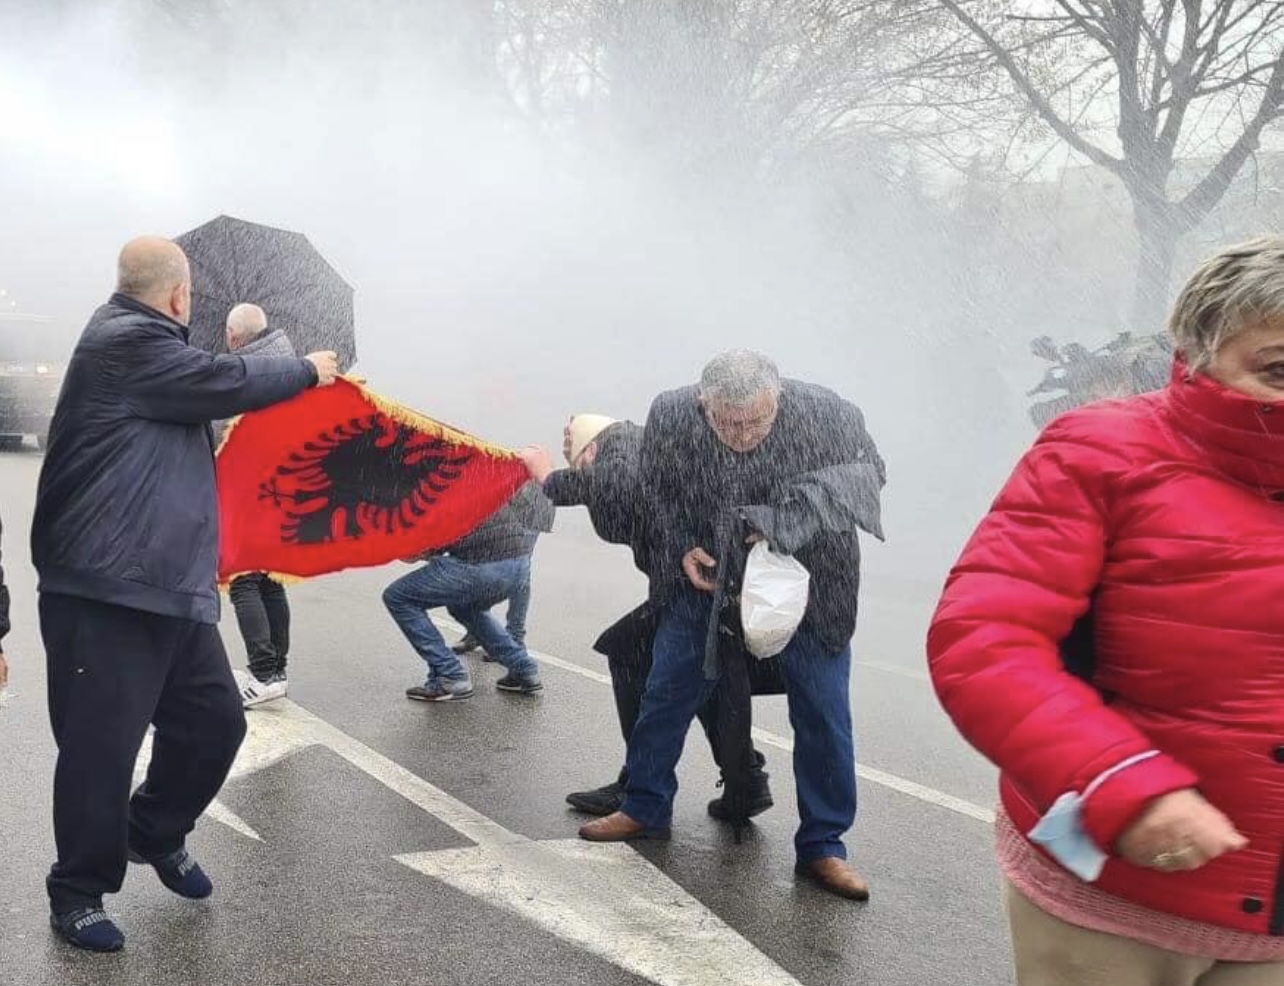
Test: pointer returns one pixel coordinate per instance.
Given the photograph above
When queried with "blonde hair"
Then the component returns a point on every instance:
(1228, 292)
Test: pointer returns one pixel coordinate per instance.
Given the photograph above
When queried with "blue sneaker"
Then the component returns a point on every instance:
(179, 872)
(89, 928)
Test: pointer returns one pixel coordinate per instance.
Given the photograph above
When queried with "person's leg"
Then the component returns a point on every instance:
(441, 582)
(106, 669)
(1049, 952)
(498, 643)
(519, 605)
(628, 681)
(278, 614)
(824, 748)
(675, 690)
(252, 617)
(199, 728)
(490, 582)
(629, 673)
(759, 792)
(467, 644)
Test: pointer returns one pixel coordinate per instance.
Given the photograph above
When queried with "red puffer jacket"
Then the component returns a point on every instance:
(1167, 512)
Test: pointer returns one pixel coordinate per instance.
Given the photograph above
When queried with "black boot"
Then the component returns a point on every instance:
(600, 801)
(467, 645)
(759, 791)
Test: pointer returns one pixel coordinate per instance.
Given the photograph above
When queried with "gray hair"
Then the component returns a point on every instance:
(735, 378)
(1228, 293)
(244, 322)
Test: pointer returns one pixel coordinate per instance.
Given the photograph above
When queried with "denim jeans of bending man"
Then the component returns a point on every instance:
(816, 682)
(519, 604)
(467, 591)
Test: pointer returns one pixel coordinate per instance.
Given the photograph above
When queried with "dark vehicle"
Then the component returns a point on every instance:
(1126, 366)
(33, 358)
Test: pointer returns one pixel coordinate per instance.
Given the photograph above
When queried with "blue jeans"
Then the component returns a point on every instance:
(819, 711)
(519, 604)
(467, 591)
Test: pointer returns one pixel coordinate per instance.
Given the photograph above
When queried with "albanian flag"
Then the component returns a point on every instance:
(339, 478)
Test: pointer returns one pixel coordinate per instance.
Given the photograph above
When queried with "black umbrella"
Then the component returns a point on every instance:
(235, 261)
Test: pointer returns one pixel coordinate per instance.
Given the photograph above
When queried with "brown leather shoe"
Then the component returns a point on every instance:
(620, 828)
(835, 876)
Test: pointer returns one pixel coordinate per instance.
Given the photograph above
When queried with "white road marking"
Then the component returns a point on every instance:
(605, 899)
(881, 777)
(896, 669)
(902, 785)
(221, 813)
(611, 902)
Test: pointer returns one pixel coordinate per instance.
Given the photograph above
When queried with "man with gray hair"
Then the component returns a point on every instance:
(741, 458)
(262, 610)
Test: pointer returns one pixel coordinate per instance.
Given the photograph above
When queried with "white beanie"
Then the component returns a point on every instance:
(584, 430)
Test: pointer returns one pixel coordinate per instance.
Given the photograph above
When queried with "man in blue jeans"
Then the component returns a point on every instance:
(491, 564)
(519, 604)
(745, 457)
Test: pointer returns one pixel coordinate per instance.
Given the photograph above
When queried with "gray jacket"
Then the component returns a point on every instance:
(510, 532)
(808, 488)
(270, 342)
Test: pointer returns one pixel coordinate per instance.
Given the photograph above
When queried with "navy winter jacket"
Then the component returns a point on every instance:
(126, 511)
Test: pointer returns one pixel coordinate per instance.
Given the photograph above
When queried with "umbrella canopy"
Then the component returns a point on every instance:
(235, 261)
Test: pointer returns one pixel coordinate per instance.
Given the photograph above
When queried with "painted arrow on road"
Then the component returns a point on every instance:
(605, 899)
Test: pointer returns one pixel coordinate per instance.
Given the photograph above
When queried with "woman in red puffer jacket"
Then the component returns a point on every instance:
(1142, 822)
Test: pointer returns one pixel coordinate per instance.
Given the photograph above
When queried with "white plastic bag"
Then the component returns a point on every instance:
(772, 601)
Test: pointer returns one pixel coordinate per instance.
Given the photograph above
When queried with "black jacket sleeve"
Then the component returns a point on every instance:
(567, 488)
(4, 602)
(611, 490)
(839, 498)
(164, 379)
(664, 492)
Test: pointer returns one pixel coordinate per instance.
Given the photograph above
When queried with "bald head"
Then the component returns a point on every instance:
(244, 322)
(154, 271)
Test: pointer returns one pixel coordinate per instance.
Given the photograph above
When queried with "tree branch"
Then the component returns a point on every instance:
(1093, 31)
(1201, 199)
(1042, 106)
(1183, 81)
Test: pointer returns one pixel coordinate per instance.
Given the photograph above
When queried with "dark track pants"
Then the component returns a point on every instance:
(263, 614)
(112, 672)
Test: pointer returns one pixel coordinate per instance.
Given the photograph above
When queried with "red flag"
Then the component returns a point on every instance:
(339, 478)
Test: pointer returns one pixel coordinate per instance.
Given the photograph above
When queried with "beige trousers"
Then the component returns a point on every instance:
(1050, 952)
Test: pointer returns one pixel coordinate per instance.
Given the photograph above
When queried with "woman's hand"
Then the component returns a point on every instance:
(1180, 831)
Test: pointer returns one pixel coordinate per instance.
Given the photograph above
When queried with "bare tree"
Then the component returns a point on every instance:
(1145, 89)
(753, 83)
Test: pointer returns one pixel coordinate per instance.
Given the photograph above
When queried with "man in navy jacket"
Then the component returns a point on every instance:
(125, 540)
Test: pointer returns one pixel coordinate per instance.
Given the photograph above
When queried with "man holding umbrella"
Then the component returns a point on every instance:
(125, 541)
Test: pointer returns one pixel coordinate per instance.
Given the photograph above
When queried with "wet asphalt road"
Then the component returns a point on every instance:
(315, 894)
